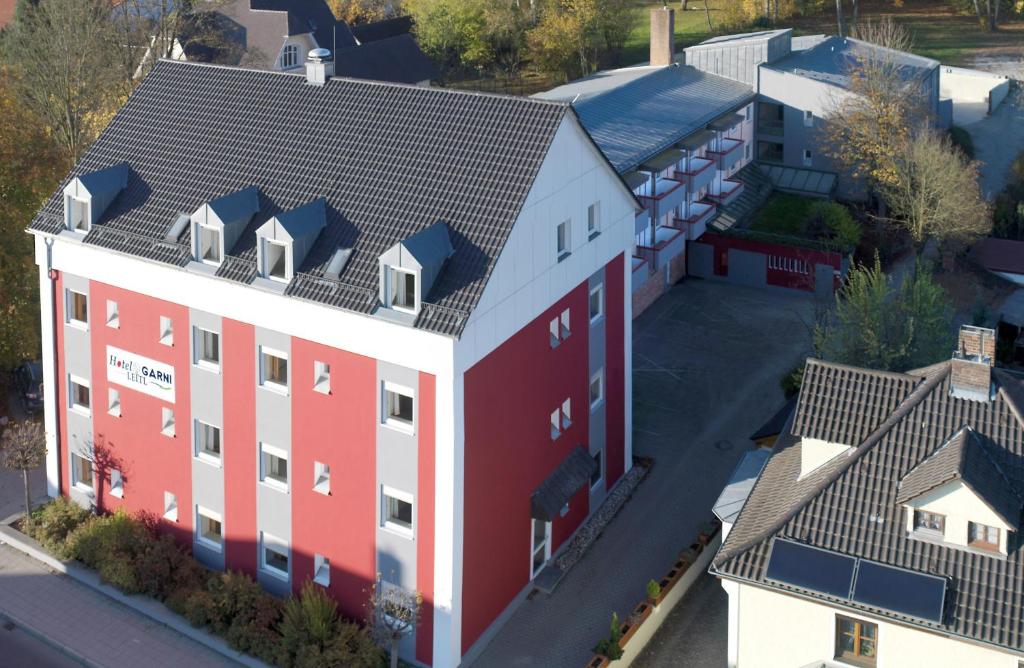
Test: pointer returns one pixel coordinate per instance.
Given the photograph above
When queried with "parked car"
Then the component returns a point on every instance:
(28, 379)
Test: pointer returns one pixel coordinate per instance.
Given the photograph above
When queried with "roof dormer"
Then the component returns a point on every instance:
(217, 224)
(409, 269)
(87, 196)
(283, 241)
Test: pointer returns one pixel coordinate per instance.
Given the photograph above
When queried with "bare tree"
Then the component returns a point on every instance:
(839, 18)
(146, 31)
(707, 15)
(394, 612)
(23, 448)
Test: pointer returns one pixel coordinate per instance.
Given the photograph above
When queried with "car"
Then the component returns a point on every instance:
(28, 378)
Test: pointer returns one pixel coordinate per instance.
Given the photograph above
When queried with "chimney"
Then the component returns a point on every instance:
(663, 35)
(319, 67)
(971, 369)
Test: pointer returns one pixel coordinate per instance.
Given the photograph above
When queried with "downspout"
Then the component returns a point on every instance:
(55, 404)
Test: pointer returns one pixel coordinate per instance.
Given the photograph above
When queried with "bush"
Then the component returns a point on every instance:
(165, 568)
(792, 381)
(835, 220)
(653, 590)
(197, 606)
(609, 646)
(108, 537)
(962, 140)
(309, 620)
(255, 632)
(54, 522)
(234, 595)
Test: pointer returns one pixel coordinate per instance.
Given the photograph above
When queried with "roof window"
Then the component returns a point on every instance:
(217, 224)
(409, 269)
(86, 197)
(284, 240)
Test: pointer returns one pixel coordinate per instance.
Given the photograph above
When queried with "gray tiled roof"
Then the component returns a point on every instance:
(850, 505)
(390, 160)
(831, 58)
(397, 59)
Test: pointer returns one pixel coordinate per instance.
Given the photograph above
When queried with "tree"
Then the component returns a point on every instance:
(24, 448)
(615, 21)
(451, 31)
(936, 193)
(60, 51)
(363, 11)
(566, 38)
(394, 612)
(880, 324)
(145, 31)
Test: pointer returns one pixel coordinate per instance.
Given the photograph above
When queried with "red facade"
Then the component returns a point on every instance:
(799, 276)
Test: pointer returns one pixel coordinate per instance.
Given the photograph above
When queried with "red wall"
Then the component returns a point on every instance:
(776, 277)
(238, 383)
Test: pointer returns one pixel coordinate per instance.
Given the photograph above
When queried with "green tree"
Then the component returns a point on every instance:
(567, 37)
(452, 32)
(880, 324)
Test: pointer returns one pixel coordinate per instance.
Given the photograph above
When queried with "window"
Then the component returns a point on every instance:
(209, 529)
(566, 330)
(167, 421)
(398, 406)
(116, 484)
(596, 476)
(322, 377)
(597, 389)
(166, 331)
(274, 556)
(540, 545)
(748, 149)
(748, 112)
(207, 345)
(273, 369)
(807, 157)
(290, 57)
(78, 395)
(209, 244)
(77, 309)
(112, 317)
(401, 289)
(929, 521)
(808, 118)
(562, 240)
(594, 219)
(77, 214)
(275, 264)
(321, 570)
(856, 641)
(321, 478)
(982, 537)
(556, 424)
(81, 472)
(113, 402)
(396, 511)
(566, 413)
(170, 507)
(207, 442)
(274, 467)
(553, 328)
(596, 303)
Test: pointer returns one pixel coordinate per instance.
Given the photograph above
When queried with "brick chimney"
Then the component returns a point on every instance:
(971, 370)
(663, 36)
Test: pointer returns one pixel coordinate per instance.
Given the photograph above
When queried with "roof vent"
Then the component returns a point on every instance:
(971, 368)
(319, 67)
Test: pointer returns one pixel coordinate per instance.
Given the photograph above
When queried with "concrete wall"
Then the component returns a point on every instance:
(965, 85)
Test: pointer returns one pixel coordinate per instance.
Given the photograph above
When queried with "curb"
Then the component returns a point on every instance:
(49, 642)
(149, 607)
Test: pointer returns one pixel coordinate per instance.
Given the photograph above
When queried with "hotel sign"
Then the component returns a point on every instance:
(140, 373)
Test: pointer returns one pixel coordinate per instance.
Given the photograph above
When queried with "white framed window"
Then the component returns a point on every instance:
(78, 216)
(396, 511)
(597, 303)
(209, 529)
(81, 472)
(398, 406)
(322, 377)
(748, 112)
(566, 328)
(209, 245)
(170, 506)
(598, 474)
(275, 260)
(273, 369)
(289, 57)
(113, 402)
(566, 414)
(274, 555)
(321, 570)
(167, 421)
(207, 438)
(79, 398)
(402, 294)
(594, 219)
(274, 467)
(807, 157)
(166, 331)
(77, 310)
(116, 484)
(808, 118)
(207, 348)
(563, 239)
(540, 545)
(113, 319)
(321, 478)
(597, 389)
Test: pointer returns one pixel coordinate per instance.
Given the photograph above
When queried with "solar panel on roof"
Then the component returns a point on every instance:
(898, 590)
(811, 568)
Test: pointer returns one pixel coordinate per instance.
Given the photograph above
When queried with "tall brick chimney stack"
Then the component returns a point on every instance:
(971, 370)
(663, 36)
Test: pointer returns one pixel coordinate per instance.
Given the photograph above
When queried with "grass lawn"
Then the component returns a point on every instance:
(783, 214)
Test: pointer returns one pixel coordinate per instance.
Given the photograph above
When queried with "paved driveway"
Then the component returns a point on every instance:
(707, 361)
(695, 633)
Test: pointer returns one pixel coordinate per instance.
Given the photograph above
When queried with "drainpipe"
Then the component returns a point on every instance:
(50, 403)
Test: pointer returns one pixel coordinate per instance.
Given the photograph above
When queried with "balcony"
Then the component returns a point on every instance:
(726, 193)
(668, 193)
(771, 128)
(669, 242)
(641, 272)
(697, 222)
(699, 173)
(728, 154)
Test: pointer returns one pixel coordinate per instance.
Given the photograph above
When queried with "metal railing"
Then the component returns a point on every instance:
(152, 248)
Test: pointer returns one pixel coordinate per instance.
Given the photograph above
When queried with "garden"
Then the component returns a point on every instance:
(810, 219)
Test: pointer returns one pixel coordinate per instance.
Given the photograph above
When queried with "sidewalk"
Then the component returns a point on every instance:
(86, 624)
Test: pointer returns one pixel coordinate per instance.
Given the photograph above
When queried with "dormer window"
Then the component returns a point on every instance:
(402, 290)
(77, 211)
(409, 269)
(209, 245)
(218, 223)
(283, 241)
(87, 196)
(290, 57)
(983, 537)
(275, 260)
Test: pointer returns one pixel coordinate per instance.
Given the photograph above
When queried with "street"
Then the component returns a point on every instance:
(18, 648)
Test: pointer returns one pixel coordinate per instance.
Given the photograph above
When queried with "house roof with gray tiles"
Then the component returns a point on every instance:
(851, 504)
(389, 160)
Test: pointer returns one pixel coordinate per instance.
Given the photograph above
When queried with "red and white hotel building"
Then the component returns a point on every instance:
(212, 356)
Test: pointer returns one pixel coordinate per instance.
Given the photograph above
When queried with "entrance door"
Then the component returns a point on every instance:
(540, 545)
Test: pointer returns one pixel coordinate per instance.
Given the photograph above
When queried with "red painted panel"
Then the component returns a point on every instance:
(238, 366)
(425, 517)
(776, 277)
(150, 462)
(615, 369)
(337, 429)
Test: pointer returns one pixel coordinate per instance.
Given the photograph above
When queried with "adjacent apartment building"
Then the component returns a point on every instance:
(327, 328)
(884, 530)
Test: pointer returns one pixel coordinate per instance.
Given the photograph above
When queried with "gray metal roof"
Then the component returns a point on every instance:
(390, 160)
(850, 505)
(739, 39)
(831, 59)
(649, 113)
(736, 491)
(597, 83)
(555, 491)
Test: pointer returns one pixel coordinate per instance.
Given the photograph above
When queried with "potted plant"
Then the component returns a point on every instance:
(610, 646)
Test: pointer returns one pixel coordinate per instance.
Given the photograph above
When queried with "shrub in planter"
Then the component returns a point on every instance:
(653, 590)
(119, 570)
(197, 606)
(165, 568)
(256, 631)
(312, 634)
(54, 522)
(98, 541)
(234, 595)
(609, 646)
